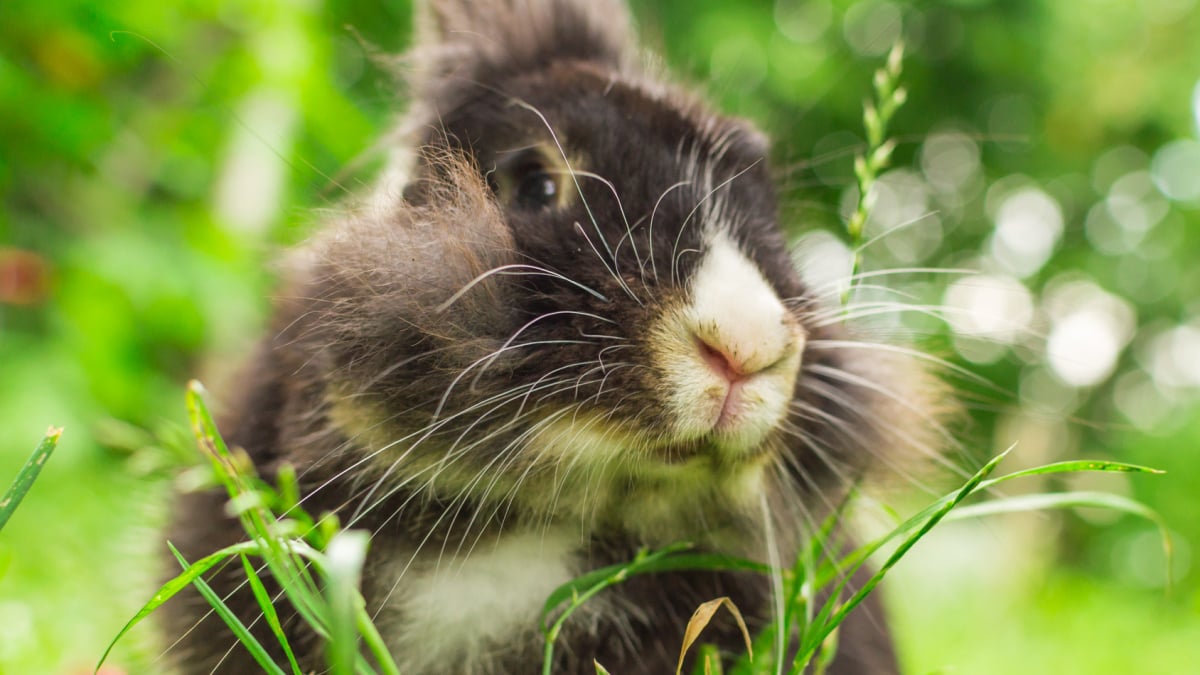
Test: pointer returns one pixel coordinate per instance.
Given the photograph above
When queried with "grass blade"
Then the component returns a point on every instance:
(1058, 500)
(235, 624)
(251, 495)
(927, 519)
(669, 559)
(1075, 466)
(269, 613)
(29, 473)
(1071, 500)
(375, 643)
(708, 661)
(172, 587)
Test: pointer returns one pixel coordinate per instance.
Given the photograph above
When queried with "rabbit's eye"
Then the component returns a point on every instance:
(528, 181)
(535, 189)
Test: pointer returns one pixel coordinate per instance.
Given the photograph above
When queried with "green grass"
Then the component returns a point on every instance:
(319, 565)
(952, 614)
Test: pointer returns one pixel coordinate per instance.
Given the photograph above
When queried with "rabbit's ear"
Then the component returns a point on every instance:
(481, 39)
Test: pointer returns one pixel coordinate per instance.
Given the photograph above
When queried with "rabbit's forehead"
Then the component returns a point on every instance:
(648, 176)
(635, 134)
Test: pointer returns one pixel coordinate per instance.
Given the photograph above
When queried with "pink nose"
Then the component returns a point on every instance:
(721, 362)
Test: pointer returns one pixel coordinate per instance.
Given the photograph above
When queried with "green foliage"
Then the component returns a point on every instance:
(292, 544)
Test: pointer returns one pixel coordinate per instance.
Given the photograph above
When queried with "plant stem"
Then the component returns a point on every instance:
(877, 115)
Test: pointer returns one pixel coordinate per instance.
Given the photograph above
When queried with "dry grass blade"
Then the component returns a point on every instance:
(699, 621)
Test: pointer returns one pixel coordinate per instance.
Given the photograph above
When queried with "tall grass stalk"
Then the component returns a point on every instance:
(889, 96)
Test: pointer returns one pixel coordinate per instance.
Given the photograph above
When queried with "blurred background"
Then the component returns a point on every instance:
(1045, 195)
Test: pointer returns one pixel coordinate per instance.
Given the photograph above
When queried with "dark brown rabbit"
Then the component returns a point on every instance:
(564, 328)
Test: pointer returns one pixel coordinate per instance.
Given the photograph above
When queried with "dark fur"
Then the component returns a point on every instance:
(365, 344)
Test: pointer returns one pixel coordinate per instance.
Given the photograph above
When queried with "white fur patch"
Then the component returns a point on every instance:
(733, 305)
(458, 612)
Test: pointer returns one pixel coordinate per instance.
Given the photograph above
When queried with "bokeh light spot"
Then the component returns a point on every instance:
(1090, 328)
(950, 161)
(992, 306)
(824, 261)
(803, 21)
(1176, 170)
(1029, 223)
(872, 27)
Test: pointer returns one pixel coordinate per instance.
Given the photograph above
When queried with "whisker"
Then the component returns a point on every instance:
(894, 229)
(699, 204)
(612, 272)
(579, 189)
(823, 343)
(653, 213)
(491, 358)
(506, 269)
(621, 208)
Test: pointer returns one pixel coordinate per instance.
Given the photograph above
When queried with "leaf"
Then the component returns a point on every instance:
(699, 621)
(28, 474)
(169, 589)
(1070, 500)
(257, 651)
(269, 613)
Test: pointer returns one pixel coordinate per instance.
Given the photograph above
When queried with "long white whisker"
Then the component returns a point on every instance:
(506, 269)
(579, 189)
(508, 343)
(629, 230)
(894, 229)
(702, 202)
(491, 358)
(611, 271)
(823, 343)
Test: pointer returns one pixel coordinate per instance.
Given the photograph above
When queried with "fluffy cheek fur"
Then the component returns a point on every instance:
(692, 443)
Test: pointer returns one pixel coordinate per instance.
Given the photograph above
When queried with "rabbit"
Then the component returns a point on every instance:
(564, 327)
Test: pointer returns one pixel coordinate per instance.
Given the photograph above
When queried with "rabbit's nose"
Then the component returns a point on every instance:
(740, 326)
(741, 351)
(721, 361)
